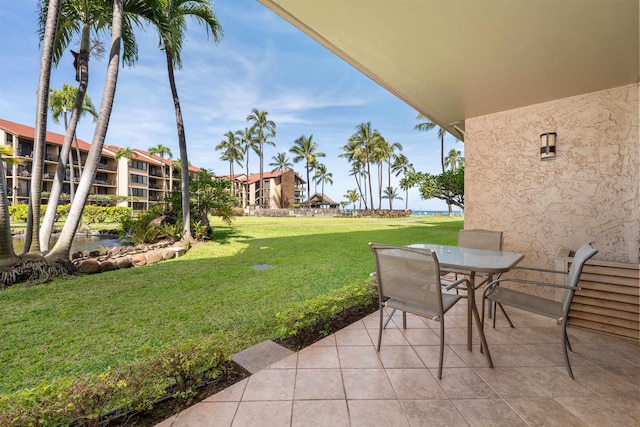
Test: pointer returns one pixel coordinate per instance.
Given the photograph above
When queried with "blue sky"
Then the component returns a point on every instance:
(262, 62)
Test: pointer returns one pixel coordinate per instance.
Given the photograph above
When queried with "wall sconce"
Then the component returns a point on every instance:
(548, 146)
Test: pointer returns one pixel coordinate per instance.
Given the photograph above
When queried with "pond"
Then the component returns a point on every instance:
(80, 243)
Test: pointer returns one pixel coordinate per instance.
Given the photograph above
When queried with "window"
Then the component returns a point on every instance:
(138, 179)
(137, 164)
(138, 192)
(139, 206)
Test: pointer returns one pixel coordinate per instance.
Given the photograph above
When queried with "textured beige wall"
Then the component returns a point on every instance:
(589, 193)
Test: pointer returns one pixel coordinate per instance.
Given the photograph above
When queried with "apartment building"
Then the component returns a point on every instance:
(144, 178)
(282, 189)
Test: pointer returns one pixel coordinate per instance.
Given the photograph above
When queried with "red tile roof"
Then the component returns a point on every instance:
(29, 132)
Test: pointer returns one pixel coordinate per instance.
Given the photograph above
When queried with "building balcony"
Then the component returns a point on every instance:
(106, 167)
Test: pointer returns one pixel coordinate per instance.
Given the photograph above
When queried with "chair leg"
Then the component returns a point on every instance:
(568, 343)
(565, 340)
(441, 347)
(381, 326)
(505, 315)
(483, 340)
(404, 320)
(389, 319)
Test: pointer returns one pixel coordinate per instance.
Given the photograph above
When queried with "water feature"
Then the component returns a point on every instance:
(80, 243)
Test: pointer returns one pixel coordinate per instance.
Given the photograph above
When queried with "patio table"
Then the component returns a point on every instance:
(472, 261)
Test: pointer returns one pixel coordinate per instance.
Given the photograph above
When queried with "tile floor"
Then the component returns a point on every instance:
(343, 381)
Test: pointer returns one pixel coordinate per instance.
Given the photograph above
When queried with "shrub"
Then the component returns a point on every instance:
(18, 212)
(315, 313)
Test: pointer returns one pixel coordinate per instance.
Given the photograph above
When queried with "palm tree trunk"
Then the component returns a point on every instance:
(63, 246)
(182, 143)
(32, 237)
(65, 151)
(8, 257)
(261, 203)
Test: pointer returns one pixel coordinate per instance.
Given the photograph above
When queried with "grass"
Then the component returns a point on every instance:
(89, 323)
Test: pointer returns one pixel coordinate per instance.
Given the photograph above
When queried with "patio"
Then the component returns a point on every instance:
(342, 380)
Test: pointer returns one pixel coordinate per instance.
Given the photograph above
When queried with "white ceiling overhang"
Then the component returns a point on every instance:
(456, 59)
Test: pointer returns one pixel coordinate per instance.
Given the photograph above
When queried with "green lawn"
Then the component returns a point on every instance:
(86, 324)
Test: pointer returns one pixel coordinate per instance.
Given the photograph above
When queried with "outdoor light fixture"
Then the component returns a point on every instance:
(548, 146)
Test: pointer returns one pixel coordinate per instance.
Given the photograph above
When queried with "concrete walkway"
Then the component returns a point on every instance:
(343, 381)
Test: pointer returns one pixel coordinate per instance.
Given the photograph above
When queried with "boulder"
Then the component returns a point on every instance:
(124, 262)
(88, 266)
(154, 257)
(168, 254)
(139, 260)
(108, 265)
(159, 221)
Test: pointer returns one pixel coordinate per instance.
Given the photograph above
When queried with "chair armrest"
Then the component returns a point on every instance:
(543, 270)
(529, 282)
(456, 283)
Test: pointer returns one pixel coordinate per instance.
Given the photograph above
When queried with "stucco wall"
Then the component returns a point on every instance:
(588, 193)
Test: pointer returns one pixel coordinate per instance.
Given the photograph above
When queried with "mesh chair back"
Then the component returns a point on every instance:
(480, 239)
(408, 274)
(582, 255)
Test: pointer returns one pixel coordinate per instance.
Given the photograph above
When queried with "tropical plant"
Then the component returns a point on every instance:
(231, 151)
(248, 144)
(162, 151)
(170, 20)
(211, 195)
(391, 194)
(352, 196)
(60, 102)
(281, 163)
(454, 159)
(262, 129)
(402, 166)
(448, 186)
(305, 148)
(360, 146)
(322, 176)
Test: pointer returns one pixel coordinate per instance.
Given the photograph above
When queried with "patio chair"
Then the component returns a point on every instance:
(558, 310)
(409, 280)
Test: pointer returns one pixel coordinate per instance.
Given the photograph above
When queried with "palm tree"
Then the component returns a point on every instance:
(60, 102)
(121, 25)
(426, 126)
(402, 166)
(231, 152)
(262, 129)
(391, 194)
(304, 148)
(281, 163)
(48, 32)
(170, 21)
(248, 144)
(454, 159)
(8, 257)
(354, 154)
(363, 140)
(353, 196)
(323, 177)
(126, 153)
(162, 151)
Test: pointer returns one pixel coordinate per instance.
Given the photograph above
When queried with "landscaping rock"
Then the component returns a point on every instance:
(108, 265)
(168, 254)
(124, 262)
(88, 266)
(154, 257)
(139, 260)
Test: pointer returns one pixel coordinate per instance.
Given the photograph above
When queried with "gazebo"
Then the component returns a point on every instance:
(321, 201)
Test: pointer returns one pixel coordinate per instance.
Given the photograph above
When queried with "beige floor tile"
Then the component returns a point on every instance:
(464, 383)
(263, 414)
(431, 413)
(399, 356)
(594, 412)
(608, 354)
(168, 422)
(422, 336)
(367, 384)
(415, 384)
(320, 413)
(627, 404)
(367, 413)
(430, 356)
(328, 341)
(389, 337)
(230, 394)
(289, 362)
(554, 354)
(318, 357)
(555, 382)
(319, 384)
(353, 337)
(488, 413)
(359, 324)
(209, 414)
(509, 383)
(544, 413)
(358, 357)
(271, 384)
(516, 355)
(413, 322)
(604, 383)
(472, 358)
(627, 373)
